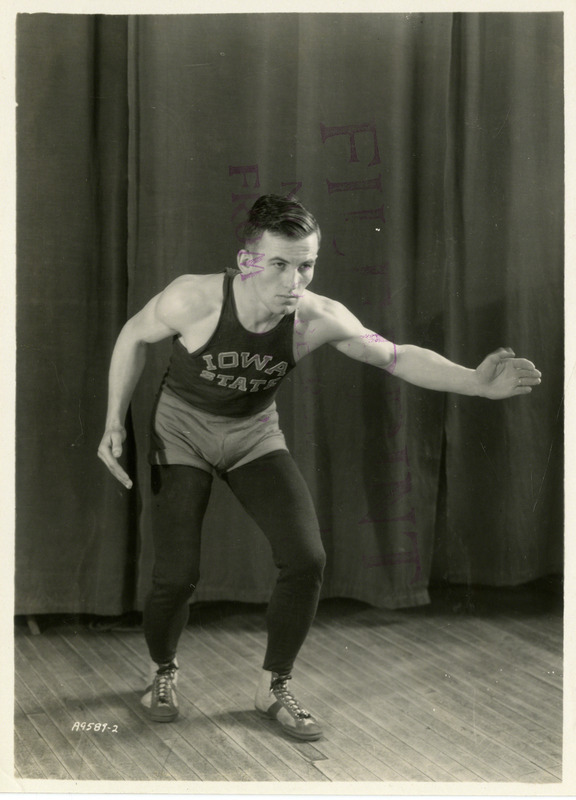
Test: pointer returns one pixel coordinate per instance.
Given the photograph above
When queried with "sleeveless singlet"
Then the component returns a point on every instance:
(237, 372)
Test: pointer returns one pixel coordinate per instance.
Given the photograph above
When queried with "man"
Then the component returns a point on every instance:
(236, 335)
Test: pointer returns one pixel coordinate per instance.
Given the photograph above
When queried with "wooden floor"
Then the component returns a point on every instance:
(468, 690)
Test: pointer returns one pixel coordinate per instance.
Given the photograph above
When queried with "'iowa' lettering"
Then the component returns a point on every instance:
(233, 360)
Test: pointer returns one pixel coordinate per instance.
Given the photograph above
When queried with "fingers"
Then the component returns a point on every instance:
(115, 468)
(116, 443)
(526, 373)
(110, 449)
(526, 378)
(501, 356)
(506, 353)
(523, 363)
(502, 353)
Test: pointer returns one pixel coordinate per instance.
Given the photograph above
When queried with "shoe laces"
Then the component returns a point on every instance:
(280, 690)
(163, 683)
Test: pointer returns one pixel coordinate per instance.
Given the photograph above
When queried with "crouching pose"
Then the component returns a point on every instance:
(236, 335)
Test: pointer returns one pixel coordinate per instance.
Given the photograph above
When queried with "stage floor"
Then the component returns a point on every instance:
(468, 689)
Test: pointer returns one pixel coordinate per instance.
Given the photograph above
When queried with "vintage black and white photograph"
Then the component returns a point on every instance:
(289, 401)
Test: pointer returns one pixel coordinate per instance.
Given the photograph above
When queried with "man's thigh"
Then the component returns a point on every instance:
(274, 493)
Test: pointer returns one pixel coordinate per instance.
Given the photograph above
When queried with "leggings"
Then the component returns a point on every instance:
(275, 495)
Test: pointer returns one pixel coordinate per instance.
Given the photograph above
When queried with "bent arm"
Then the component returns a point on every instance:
(126, 366)
(151, 324)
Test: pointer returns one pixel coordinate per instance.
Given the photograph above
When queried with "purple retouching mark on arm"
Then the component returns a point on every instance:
(373, 337)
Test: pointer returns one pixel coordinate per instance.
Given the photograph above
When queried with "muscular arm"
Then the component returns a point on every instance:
(156, 321)
(430, 370)
(500, 375)
(129, 356)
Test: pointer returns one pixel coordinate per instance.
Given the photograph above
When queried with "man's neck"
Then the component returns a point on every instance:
(253, 315)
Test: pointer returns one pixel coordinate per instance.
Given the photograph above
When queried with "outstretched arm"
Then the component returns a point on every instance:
(500, 375)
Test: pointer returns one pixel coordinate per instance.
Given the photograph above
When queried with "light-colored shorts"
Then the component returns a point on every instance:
(182, 434)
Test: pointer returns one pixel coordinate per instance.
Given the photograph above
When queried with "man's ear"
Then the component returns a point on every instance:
(249, 261)
(243, 260)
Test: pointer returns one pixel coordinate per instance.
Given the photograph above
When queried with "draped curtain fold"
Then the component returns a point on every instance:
(76, 540)
(429, 146)
(504, 487)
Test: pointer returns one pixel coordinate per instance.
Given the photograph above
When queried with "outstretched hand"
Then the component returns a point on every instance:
(109, 452)
(503, 375)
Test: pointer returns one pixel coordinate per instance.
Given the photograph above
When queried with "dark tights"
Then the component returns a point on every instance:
(274, 493)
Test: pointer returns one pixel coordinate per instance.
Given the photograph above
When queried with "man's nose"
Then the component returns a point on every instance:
(292, 279)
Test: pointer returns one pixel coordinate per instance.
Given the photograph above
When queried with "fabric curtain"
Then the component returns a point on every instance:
(75, 530)
(504, 486)
(429, 147)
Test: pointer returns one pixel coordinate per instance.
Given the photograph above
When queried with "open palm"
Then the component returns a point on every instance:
(503, 375)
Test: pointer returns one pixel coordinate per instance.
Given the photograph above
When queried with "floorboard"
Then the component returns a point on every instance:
(455, 666)
(438, 693)
(466, 690)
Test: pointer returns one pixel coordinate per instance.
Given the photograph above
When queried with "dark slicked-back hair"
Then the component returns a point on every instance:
(280, 216)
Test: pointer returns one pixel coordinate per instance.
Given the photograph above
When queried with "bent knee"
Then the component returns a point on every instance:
(318, 562)
(308, 565)
(180, 588)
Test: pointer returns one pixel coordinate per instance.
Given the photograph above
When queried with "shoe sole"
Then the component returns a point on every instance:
(163, 717)
(303, 737)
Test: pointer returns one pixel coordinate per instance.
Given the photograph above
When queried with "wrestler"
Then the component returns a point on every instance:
(236, 335)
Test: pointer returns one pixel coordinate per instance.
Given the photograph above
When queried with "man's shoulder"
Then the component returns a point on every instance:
(324, 319)
(316, 306)
(190, 284)
(191, 294)
(195, 289)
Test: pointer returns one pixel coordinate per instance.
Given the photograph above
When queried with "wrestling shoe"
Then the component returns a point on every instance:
(160, 694)
(275, 701)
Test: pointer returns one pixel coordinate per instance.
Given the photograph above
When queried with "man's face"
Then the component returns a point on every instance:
(279, 269)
